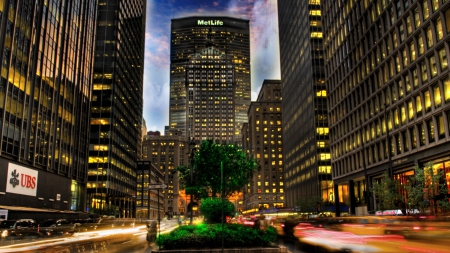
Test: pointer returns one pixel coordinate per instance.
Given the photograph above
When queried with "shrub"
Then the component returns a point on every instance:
(211, 209)
(210, 236)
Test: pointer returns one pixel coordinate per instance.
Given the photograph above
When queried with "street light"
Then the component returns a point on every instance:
(192, 144)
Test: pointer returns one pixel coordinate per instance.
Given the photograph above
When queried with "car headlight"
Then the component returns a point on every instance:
(4, 233)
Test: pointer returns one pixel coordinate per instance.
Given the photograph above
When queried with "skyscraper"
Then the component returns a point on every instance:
(210, 77)
(46, 61)
(306, 147)
(117, 106)
(262, 139)
(389, 92)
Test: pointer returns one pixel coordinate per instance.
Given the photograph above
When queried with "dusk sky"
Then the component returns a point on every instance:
(264, 46)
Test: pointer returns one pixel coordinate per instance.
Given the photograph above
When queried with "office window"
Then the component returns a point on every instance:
(405, 141)
(437, 96)
(416, 18)
(439, 32)
(446, 84)
(425, 10)
(435, 4)
(399, 144)
(408, 25)
(433, 67)
(410, 110)
(405, 58)
(443, 59)
(427, 99)
(447, 20)
(441, 127)
(413, 138)
(418, 106)
(400, 88)
(412, 50)
(423, 67)
(403, 114)
(430, 128)
(421, 129)
(429, 37)
(415, 76)
(407, 84)
(420, 42)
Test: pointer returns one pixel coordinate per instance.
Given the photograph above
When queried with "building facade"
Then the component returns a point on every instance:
(262, 139)
(306, 145)
(149, 202)
(117, 105)
(210, 77)
(166, 153)
(389, 91)
(46, 61)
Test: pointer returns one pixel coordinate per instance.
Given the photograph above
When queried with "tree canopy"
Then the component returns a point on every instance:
(238, 168)
(386, 194)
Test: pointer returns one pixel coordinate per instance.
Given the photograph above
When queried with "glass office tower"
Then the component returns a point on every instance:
(306, 148)
(389, 91)
(46, 60)
(117, 106)
(212, 79)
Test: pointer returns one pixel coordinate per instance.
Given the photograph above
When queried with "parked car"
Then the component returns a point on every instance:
(14, 229)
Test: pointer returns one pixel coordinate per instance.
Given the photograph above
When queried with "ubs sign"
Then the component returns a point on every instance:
(21, 180)
(209, 22)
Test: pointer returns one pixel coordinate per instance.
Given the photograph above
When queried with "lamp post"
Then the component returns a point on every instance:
(192, 144)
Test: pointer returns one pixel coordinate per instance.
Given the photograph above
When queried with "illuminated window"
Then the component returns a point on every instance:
(99, 121)
(427, 99)
(443, 59)
(316, 35)
(410, 110)
(418, 106)
(413, 135)
(314, 12)
(433, 67)
(408, 25)
(437, 96)
(421, 47)
(413, 51)
(417, 18)
(430, 126)
(441, 127)
(446, 84)
(321, 93)
(429, 37)
(424, 72)
(324, 156)
(425, 10)
(322, 130)
(439, 32)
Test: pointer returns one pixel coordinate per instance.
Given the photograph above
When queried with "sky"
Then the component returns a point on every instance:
(264, 51)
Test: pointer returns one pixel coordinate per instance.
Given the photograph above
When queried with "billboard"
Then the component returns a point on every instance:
(21, 180)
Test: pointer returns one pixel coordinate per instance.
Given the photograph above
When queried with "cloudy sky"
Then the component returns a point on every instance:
(264, 46)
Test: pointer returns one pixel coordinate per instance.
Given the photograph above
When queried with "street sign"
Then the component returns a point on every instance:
(157, 186)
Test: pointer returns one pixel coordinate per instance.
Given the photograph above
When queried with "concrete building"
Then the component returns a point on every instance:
(306, 144)
(46, 78)
(117, 105)
(149, 202)
(387, 75)
(210, 77)
(262, 139)
(166, 153)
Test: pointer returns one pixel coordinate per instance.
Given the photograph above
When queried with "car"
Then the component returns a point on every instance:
(22, 228)
(57, 227)
(252, 221)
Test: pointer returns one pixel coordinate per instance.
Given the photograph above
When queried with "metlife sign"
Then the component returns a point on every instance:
(21, 180)
(210, 22)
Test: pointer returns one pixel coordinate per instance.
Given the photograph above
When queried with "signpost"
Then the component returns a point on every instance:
(157, 187)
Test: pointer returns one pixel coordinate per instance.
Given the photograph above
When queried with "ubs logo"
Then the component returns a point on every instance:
(14, 181)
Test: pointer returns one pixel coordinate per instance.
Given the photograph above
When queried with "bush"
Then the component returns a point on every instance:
(211, 209)
(210, 236)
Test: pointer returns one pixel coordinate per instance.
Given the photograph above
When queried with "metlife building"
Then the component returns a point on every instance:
(210, 55)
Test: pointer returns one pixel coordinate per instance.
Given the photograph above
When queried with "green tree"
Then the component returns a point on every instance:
(211, 209)
(238, 168)
(427, 190)
(310, 204)
(386, 193)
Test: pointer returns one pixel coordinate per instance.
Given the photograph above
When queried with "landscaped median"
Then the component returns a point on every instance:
(235, 238)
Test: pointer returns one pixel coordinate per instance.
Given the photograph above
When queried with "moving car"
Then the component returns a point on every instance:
(14, 229)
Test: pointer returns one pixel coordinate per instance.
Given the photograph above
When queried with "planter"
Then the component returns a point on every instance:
(280, 249)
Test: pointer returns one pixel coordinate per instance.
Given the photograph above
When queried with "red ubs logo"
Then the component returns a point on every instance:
(26, 181)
